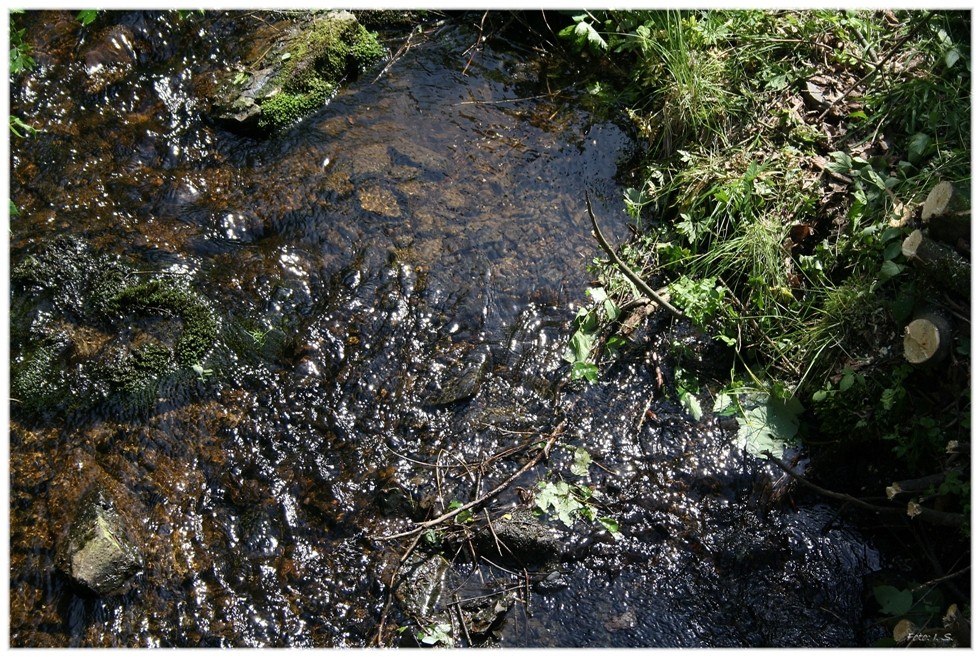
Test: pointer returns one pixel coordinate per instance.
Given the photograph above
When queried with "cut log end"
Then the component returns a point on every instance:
(927, 339)
(938, 201)
(911, 244)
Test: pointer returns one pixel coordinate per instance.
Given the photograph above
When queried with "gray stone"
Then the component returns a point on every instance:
(99, 555)
(299, 66)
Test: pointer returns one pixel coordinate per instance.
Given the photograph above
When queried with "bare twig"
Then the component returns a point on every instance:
(475, 47)
(939, 580)
(629, 273)
(419, 527)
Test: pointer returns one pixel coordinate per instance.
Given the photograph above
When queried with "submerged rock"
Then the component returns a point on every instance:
(520, 537)
(456, 377)
(294, 75)
(99, 554)
(88, 330)
(430, 589)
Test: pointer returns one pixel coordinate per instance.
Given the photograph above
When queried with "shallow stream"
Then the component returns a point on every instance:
(430, 219)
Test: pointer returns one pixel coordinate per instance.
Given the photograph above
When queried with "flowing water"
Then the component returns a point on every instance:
(428, 218)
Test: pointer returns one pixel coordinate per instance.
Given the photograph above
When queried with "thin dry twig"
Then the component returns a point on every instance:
(844, 497)
(475, 47)
(421, 526)
(939, 580)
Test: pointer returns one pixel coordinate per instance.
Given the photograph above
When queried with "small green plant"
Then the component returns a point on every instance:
(768, 420)
(466, 516)
(583, 35)
(582, 344)
(437, 634)
(20, 50)
(202, 372)
(568, 502)
(87, 16)
(20, 129)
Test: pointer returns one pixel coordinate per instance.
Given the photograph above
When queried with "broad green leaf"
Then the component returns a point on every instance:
(579, 347)
(889, 269)
(840, 163)
(611, 526)
(587, 371)
(769, 427)
(918, 145)
(558, 497)
(892, 250)
(892, 601)
(724, 405)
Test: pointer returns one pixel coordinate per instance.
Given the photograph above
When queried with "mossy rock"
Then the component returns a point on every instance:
(82, 332)
(296, 75)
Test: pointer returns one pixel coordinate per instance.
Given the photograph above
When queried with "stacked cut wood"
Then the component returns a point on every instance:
(941, 256)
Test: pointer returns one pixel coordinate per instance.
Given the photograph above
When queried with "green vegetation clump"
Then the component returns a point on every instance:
(331, 50)
(286, 108)
(83, 333)
(788, 155)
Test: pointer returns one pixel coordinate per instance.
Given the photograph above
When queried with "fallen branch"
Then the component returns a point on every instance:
(944, 518)
(832, 494)
(914, 485)
(944, 266)
(914, 509)
(421, 526)
(650, 293)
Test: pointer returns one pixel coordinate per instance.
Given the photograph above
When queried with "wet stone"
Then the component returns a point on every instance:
(379, 201)
(372, 158)
(421, 586)
(99, 555)
(525, 539)
(458, 379)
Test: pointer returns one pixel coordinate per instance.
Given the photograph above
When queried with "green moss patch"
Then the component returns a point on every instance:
(83, 333)
(200, 329)
(333, 48)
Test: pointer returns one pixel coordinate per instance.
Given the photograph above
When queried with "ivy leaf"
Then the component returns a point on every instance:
(587, 371)
(579, 347)
(611, 526)
(560, 498)
(893, 602)
(691, 405)
(87, 16)
(583, 459)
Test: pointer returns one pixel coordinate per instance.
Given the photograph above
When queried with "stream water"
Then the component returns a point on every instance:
(430, 217)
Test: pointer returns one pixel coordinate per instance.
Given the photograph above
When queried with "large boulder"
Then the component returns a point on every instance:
(98, 553)
(294, 74)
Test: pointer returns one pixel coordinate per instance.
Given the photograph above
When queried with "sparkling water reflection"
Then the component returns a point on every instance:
(423, 223)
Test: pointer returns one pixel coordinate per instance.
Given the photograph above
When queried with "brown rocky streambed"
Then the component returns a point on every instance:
(379, 297)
